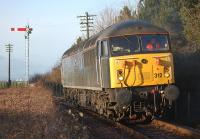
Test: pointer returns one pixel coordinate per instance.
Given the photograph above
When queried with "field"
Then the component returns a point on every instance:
(27, 113)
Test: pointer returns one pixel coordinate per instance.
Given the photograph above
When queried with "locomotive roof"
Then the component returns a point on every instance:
(127, 27)
(79, 47)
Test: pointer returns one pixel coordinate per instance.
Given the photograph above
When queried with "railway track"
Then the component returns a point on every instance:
(163, 130)
(155, 130)
(181, 130)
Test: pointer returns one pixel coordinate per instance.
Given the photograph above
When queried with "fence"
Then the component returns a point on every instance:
(13, 84)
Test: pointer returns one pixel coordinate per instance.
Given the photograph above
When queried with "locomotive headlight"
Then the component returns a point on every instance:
(167, 74)
(121, 78)
(120, 75)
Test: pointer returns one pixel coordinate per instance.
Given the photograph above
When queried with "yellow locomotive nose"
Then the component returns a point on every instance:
(141, 70)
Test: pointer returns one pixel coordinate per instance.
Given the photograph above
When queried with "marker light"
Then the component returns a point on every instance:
(166, 74)
(166, 69)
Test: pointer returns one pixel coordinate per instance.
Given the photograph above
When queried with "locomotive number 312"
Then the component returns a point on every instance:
(157, 75)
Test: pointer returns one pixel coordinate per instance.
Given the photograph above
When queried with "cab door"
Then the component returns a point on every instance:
(103, 64)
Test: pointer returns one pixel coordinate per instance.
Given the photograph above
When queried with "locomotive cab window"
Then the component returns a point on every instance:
(154, 43)
(124, 45)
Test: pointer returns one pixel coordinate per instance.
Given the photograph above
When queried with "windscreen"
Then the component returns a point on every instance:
(154, 43)
(124, 45)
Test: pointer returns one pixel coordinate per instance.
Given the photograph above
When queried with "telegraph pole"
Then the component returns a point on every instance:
(86, 23)
(9, 50)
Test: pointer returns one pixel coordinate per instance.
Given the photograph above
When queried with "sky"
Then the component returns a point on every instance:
(55, 28)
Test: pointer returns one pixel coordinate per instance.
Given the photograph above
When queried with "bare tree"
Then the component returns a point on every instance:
(106, 18)
(109, 16)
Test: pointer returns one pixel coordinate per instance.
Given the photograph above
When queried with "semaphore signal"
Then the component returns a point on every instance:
(27, 31)
(21, 29)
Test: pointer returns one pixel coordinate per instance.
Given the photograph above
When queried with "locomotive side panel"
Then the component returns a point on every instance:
(72, 71)
(90, 70)
(80, 71)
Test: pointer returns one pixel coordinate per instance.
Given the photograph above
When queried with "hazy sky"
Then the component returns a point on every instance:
(55, 28)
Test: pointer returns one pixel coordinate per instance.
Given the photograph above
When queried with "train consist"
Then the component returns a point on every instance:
(124, 72)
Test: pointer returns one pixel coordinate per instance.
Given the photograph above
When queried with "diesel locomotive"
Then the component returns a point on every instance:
(125, 71)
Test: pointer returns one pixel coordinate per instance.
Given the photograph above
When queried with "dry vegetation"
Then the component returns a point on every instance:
(53, 76)
(27, 113)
